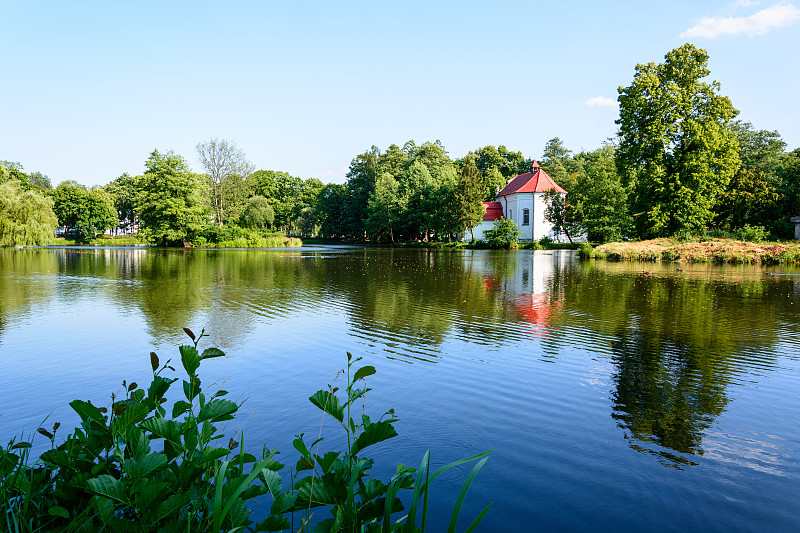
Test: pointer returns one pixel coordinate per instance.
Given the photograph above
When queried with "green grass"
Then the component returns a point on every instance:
(716, 250)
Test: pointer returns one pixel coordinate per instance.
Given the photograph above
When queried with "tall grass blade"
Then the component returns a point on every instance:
(463, 494)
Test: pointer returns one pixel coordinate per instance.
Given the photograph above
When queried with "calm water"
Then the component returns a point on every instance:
(618, 396)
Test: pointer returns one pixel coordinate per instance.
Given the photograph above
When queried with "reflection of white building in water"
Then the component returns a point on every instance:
(531, 286)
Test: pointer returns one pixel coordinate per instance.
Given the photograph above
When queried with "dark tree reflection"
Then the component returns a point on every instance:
(664, 398)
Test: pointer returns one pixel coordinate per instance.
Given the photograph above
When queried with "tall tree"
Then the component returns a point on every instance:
(283, 191)
(384, 208)
(469, 195)
(40, 180)
(222, 161)
(677, 152)
(599, 197)
(360, 183)
(170, 200)
(89, 211)
(123, 190)
(331, 202)
(26, 216)
(561, 215)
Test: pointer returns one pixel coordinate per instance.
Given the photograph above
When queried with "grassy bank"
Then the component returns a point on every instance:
(105, 240)
(253, 240)
(704, 251)
(480, 245)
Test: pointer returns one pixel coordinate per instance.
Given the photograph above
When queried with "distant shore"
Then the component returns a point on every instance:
(700, 251)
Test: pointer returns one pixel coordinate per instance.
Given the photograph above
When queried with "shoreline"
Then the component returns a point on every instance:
(700, 251)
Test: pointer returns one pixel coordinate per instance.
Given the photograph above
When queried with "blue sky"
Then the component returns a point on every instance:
(91, 88)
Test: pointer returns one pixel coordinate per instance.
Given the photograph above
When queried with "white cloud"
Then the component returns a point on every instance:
(603, 101)
(758, 23)
(744, 3)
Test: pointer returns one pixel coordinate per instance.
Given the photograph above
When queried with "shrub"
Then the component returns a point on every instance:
(585, 250)
(753, 233)
(503, 235)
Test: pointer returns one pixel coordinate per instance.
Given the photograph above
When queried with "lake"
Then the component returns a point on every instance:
(617, 396)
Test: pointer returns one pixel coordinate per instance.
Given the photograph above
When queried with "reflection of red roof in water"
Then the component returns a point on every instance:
(535, 310)
(536, 181)
(494, 211)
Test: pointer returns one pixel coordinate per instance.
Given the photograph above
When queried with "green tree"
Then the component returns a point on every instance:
(469, 195)
(560, 214)
(750, 199)
(758, 149)
(360, 183)
(258, 214)
(226, 167)
(384, 208)
(38, 179)
(91, 212)
(26, 216)
(283, 192)
(330, 210)
(677, 152)
(789, 174)
(123, 190)
(599, 197)
(170, 200)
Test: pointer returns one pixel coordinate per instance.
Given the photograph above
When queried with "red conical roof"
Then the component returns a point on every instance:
(536, 181)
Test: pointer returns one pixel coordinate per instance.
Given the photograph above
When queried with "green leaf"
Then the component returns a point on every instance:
(191, 388)
(145, 466)
(329, 403)
(154, 361)
(372, 434)
(209, 353)
(212, 454)
(109, 487)
(138, 443)
(166, 429)
(133, 414)
(179, 408)
(217, 411)
(273, 523)
(363, 372)
(170, 505)
(190, 333)
(282, 503)
(326, 462)
(273, 482)
(21, 445)
(190, 359)
(57, 510)
(87, 411)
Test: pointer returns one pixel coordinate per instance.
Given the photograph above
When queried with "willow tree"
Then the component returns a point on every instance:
(677, 152)
(26, 216)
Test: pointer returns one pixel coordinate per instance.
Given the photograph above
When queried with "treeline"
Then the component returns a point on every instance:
(681, 165)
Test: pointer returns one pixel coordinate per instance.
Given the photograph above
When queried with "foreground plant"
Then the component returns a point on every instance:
(340, 480)
(106, 474)
(136, 467)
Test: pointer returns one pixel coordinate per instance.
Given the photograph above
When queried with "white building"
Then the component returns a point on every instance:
(522, 201)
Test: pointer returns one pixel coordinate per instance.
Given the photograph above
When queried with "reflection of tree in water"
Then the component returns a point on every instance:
(26, 280)
(678, 340)
(664, 395)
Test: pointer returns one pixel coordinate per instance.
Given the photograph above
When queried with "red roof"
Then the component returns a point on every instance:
(494, 211)
(536, 181)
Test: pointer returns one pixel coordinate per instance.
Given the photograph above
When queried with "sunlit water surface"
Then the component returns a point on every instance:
(617, 396)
